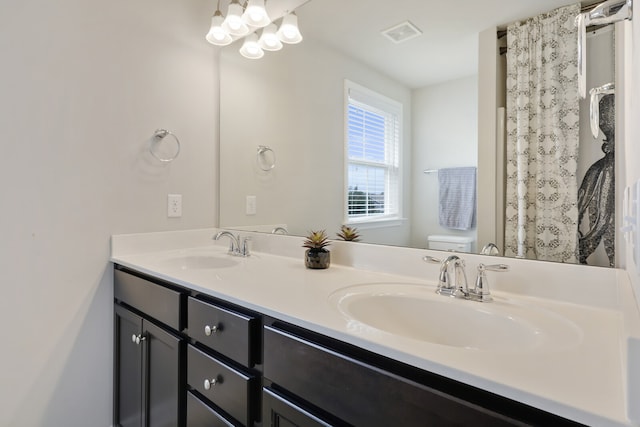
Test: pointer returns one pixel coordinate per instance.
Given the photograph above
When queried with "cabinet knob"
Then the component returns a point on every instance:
(137, 338)
(208, 383)
(208, 330)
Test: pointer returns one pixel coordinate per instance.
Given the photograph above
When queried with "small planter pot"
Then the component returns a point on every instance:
(317, 258)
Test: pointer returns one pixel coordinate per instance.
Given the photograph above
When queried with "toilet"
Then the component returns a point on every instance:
(450, 243)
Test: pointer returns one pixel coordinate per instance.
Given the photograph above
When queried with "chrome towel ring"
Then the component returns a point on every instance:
(163, 149)
(266, 158)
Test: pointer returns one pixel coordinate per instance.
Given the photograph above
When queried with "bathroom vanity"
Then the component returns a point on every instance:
(203, 338)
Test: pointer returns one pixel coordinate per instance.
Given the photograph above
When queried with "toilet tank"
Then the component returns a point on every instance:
(450, 243)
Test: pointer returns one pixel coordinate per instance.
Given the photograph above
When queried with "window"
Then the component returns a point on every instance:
(372, 149)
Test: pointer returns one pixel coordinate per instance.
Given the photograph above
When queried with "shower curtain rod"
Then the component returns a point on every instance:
(607, 9)
(605, 13)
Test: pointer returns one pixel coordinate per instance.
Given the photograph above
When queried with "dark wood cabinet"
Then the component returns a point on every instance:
(147, 372)
(148, 361)
(128, 409)
(222, 358)
(187, 359)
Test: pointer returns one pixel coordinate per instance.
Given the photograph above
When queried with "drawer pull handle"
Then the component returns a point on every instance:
(136, 339)
(208, 383)
(209, 330)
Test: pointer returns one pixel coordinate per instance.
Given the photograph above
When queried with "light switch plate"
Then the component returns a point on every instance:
(251, 205)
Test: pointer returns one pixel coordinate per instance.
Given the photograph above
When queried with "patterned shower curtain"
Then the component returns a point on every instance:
(541, 216)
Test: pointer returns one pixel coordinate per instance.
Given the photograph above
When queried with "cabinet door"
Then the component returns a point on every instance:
(164, 382)
(128, 369)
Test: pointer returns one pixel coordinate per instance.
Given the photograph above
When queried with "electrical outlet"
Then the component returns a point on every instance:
(251, 205)
(174, 205)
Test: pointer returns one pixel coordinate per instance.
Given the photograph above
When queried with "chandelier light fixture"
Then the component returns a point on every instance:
(251, 22)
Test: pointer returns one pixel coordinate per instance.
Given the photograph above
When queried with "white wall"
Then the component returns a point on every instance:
(631, 153)
(84, 84)
(293, 102)
(444, 123)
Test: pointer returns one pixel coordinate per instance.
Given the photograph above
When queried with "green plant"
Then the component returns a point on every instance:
(349, 234)
(317, 240)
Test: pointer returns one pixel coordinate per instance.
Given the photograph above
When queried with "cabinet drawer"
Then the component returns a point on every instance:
(199, 414)
(231, 390)
(278, 411)
(361, 394)
(225, 331)
(156, 301)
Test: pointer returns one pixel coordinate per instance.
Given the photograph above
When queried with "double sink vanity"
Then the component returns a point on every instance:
(205, 338)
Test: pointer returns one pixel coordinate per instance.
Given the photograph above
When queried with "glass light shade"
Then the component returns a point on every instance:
(288, 31)
(218, 35)
(251, 49)
(233, 23)
(269, 40)
(255, 14)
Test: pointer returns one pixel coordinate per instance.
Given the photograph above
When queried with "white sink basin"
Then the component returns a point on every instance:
(417, 312)
(199, 261)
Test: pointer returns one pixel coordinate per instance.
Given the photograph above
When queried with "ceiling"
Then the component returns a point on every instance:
(446, 50)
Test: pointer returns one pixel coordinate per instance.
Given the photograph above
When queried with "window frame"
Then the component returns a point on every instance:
(368, 99)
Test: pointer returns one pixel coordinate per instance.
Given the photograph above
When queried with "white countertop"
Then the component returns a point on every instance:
(585, 382)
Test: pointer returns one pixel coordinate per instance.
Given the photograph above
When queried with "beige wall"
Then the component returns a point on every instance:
(84, 85)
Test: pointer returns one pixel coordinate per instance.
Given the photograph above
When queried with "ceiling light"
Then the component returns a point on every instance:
(289, 32)
(243, 20)
(233, 23)
(269, 40)
(217, 35)
(255, 14)
(251, 49)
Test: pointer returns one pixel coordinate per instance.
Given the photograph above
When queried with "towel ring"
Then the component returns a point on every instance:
(265, 165)
(164, 152)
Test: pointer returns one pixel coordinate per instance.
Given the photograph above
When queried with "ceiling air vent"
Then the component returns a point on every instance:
(402, 32)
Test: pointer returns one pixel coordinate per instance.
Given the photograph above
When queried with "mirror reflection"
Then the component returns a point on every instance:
(350, 127)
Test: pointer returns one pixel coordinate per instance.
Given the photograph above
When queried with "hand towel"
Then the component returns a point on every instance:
(457, 198)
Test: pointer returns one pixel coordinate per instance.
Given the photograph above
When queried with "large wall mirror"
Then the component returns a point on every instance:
(282, 130)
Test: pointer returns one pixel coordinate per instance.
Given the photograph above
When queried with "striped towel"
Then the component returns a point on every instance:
(457, 199)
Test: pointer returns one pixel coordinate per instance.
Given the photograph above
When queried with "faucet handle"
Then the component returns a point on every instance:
(481, 290)
(244, 247)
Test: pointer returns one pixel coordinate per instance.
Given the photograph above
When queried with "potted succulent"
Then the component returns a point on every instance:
(316, 256)
(349, 234)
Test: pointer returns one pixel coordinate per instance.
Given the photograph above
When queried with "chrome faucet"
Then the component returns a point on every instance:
(459, 287)
(279, 230)
(490, 249)
(237, 246)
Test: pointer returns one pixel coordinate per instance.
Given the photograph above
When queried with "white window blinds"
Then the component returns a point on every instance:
(373, 136)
